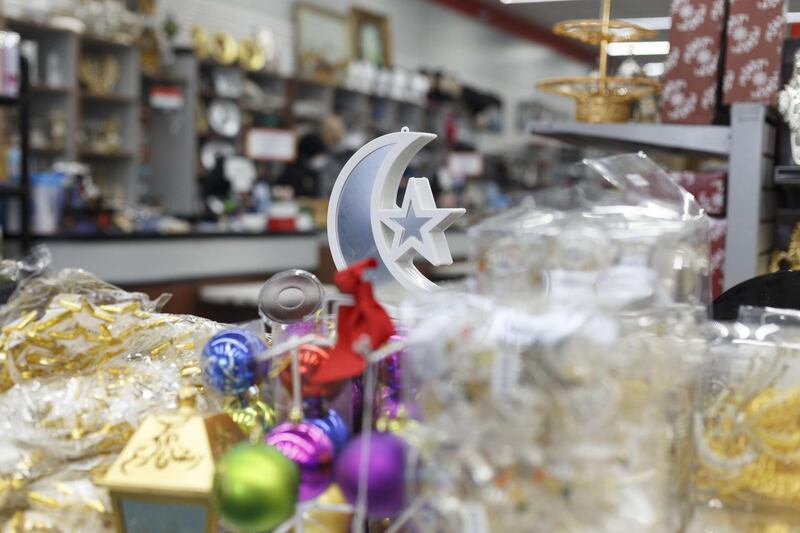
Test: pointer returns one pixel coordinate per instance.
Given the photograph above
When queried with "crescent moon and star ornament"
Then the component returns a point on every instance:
(364, 219)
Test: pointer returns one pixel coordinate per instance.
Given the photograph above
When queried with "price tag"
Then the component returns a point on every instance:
(269, 144)
(505, 372)
(474, 518)
(465, 164)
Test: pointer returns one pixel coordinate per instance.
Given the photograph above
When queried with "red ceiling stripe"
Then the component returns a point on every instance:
(499, 18)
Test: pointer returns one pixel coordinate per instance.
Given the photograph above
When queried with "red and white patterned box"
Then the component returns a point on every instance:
(756, 31)
(718, 229)
(692, 66)
(708, 188)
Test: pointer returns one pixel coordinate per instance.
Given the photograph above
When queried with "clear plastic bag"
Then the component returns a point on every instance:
(81, 362)
(642, 242)
(746, 422)
(553, 420)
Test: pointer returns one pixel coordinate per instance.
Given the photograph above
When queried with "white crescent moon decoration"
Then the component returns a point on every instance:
(364, 219)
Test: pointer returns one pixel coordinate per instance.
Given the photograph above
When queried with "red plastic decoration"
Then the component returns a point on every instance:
(365, 319)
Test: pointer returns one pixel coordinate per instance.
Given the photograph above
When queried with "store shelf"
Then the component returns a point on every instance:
(98, 41)
(95, 154)
(212, 95)
(787, 175)
(43, 88)
(164, 78)
(8, 190)
(107, 97)
(709, 140)
(9, 100)
(33, 26)
(47, 150)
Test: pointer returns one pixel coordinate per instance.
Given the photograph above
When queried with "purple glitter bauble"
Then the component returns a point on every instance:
(386, 475)
(311, 449)
(388, 404)
(298, 329)
(356, 403)
(389, 369)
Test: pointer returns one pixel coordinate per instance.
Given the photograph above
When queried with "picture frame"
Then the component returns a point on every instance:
(322, 42)
(372, 38)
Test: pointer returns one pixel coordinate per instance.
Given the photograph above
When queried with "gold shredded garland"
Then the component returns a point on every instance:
(749, 450)
(83, 356)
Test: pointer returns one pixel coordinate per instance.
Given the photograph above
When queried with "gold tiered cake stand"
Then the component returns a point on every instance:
(602, 98)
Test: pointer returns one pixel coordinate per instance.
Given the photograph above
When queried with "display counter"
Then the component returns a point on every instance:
(193, 256)
(171, 258)
(183, 264)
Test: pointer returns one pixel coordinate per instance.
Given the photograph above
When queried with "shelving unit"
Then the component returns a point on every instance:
(174, 176)
(748, 146)
(52, 90)
(115, 171)
(702, 140)
(21, 192)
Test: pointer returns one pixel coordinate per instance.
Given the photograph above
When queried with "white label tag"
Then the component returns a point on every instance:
(474, 518)
(505, 372)
(519, 329)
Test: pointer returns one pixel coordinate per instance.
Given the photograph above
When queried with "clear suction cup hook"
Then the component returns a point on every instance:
(290, 296)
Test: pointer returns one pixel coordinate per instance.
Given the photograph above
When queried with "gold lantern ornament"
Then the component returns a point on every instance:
(163, 478)
(600, 97)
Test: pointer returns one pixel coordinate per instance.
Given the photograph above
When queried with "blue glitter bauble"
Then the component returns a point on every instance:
(229, 360)
(334, 427)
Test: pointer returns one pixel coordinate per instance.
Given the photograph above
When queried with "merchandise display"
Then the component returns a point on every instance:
(285, 268)
(82, 363)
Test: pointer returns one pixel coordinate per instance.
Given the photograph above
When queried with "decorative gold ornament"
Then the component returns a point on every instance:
(789, 259)
(251, 55)
(149, 52)
(321, 519)
(200, 43)
(99, 73)
(224, 48)
(167, 469)
(252, 414)
(602, 98)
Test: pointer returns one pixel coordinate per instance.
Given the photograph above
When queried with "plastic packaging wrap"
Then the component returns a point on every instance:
(81, 363)
(642, 241)
(554, 421)
(558, 399)
(746, 423)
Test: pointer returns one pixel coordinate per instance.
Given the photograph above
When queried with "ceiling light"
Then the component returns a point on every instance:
(641, 48)
(653, 70)
(651, 23)
(792, 18)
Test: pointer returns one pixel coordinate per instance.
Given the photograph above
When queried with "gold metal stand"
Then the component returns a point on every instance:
(602, 98)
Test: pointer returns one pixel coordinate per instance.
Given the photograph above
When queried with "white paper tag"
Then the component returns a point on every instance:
(519, 329)
(505, 372)
(474, 518)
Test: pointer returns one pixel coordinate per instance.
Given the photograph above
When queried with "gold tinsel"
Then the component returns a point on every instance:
(749, 448)
(81, 363)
